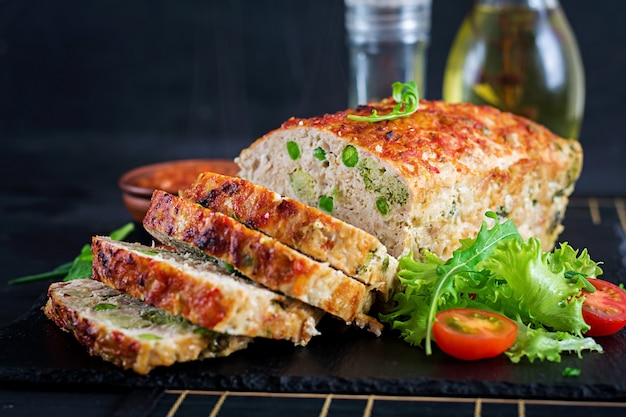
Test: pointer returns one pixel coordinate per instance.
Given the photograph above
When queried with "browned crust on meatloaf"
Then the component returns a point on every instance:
(73, 313)
(213, 299)
(450, 130)
(188, 226)
(456, 160)
(305, 228)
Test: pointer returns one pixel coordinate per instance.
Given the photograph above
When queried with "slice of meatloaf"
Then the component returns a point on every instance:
(424, 181)
(128, 332)
(201, 292)
(189, 227)
(302, 227)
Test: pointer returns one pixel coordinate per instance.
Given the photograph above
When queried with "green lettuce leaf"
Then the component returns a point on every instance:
(540, 294)
(450, 284)
(499, 271)
(566, 257)
(541, 344)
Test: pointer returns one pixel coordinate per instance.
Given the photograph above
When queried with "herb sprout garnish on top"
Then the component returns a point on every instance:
(406, 97)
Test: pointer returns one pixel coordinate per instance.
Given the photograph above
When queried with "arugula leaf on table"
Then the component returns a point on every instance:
(58, 272)
(80, 267)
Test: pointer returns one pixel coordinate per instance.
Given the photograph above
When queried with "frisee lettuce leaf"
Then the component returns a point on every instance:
(542, 344)
(499, 271)
(539, 292)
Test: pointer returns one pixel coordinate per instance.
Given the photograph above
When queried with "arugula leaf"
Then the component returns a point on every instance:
(80, 267)
(437, 284)
(407, 97)
(58, 272)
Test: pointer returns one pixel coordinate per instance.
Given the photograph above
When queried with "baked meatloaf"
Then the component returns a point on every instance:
(302, 227)
(128, 332)
(189, 227)
(423, 181)
(202, 292)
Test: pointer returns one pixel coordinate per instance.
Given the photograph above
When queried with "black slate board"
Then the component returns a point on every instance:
(34, 353)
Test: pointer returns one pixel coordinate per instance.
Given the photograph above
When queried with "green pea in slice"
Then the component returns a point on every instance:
(293, 150)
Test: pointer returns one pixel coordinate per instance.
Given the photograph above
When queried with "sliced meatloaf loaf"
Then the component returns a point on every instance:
(189, 227)
(302, 227)
(423, 181)
(200, 291)
(128, 332)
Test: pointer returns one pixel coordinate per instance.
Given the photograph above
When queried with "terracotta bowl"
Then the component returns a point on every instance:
(138, 184)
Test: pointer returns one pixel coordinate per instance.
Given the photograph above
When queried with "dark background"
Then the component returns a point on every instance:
(221, 73)
(232, 68)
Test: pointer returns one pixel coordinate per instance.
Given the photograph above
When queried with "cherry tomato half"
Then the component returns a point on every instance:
(471, 334)
(605, 309)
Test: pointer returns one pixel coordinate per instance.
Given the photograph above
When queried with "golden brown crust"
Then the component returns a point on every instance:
(439, 169)
(449, 130)
(71, 306)
(305, 228)
(201, 293)
(189, 226)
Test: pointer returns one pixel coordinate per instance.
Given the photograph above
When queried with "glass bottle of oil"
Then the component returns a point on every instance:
(520, 56)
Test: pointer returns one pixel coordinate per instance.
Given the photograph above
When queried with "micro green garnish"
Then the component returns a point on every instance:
(350, 156)
(105, 306)
(406, 97)
(500, 272)
(326, 203)
(293, 150)
(80, 267)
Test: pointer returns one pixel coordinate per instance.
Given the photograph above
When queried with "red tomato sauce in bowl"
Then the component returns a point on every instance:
(138, 184)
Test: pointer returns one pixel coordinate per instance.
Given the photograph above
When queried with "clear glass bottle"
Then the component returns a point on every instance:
(387, 42)
(520, 56)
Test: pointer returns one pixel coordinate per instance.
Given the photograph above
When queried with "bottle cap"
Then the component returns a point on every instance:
(407, 21)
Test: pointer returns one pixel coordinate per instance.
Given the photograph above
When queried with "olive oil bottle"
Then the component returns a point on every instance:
(521, 57)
